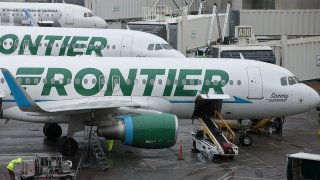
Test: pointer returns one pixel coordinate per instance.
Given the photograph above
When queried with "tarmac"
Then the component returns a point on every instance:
(265, 159)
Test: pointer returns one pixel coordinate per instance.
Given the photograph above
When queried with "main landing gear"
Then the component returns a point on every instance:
(68, 146)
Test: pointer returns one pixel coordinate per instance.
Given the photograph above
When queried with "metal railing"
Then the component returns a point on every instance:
(228, 129)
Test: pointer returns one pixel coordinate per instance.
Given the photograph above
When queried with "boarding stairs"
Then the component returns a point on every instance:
(210, 139)
(223, 140)
(98, 148)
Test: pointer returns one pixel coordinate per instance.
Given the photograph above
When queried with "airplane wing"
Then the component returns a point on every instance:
(27, 104)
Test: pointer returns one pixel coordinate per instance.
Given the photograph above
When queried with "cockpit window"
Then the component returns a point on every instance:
(284, 81)
(296, 79)
(150, 47)
(291, 81)
(158, 47)
(88, 14)
(166, 46)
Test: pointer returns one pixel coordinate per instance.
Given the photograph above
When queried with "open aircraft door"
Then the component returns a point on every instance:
(255, 83)
(69, 16)
(126, 46)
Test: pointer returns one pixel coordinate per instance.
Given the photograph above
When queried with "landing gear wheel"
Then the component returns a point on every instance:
(245, 140)
(68, 146)
(52, 131)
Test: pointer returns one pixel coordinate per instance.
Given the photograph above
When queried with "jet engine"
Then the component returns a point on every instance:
(149, 131)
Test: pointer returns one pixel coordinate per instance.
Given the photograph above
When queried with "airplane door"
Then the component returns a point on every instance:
(255, 89)
(69, 15)
(126, 50)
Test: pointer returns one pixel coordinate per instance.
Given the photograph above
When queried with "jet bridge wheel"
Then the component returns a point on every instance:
(52, 130)
(67, 146)
(245, 140)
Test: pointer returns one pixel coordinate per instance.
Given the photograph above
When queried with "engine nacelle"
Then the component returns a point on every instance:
(149, 131)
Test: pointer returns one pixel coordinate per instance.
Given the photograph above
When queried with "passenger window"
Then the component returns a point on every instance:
(94, 81)
(184, 82)
(160, 81)
(69, 80)
(231, 82)
(223, 82)
(215, 82)
(168, 82)
(158, 47)
(77, 81)
(61, 81)
(284, 81)
(199, 82)
(27, 80)
(19, 80)
(239, 82)
(114, 46)
(52, 81)
(176, 82)
(44, 81)
(128, 81)
(85, 81)
(108, 46)
(150, 47)
(291, 81)
(144, 81)
(36, 81)
(136, 81)
(207, 82)
(151, 81)
(102, 80)
(2, 80)
(191, 82)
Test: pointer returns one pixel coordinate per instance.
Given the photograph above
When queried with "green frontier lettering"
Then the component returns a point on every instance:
(29, 76)
(96, 44)
(52, 83)
(27, 42)
(51, 39)
(10, 43)
(126, 87)
(152, 74)
(183, 77)
(80, 76)
(75, 44)
(216, 87)
(13, 39)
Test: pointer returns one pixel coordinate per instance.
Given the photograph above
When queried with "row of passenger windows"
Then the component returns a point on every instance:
(26, 43)
(128, 81)
(157, 47)
(289, 80)
(34, 14)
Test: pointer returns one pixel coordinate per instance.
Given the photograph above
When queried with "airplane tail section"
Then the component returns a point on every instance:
(22, 98)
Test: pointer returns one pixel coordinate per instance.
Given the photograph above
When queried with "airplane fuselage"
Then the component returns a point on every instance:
(165, 85)
(46, 41)
(49, 14)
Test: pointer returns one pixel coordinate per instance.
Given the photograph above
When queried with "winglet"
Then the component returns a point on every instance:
(23, 100)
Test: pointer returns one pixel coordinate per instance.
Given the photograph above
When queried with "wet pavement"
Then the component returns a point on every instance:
(266, 158)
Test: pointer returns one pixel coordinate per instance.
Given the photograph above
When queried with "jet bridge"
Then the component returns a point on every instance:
(210, 140)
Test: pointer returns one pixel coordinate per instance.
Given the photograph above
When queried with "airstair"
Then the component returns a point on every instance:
(209, 139)
(98, 148)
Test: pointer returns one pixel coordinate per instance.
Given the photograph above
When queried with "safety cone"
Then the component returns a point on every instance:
(180, 151)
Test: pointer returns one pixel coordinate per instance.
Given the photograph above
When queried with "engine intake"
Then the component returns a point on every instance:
(150, 131)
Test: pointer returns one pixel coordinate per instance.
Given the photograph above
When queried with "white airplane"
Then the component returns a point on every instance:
(138, 100)
(49, 14)
(51, 41)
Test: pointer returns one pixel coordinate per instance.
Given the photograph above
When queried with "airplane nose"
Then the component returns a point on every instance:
(314, 98)
(100, 23)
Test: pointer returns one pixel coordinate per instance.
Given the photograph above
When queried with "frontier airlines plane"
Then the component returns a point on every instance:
(138, 100)
(48, 14)
(47, 41)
